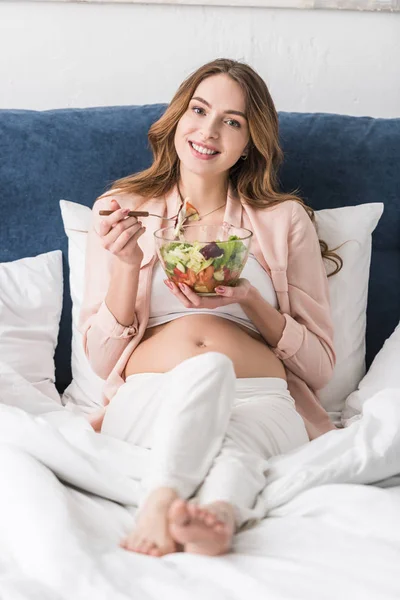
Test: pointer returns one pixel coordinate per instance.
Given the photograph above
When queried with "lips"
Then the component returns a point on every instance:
(203, 152)
(204, 146)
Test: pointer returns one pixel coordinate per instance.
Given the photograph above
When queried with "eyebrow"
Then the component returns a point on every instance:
(226, 112)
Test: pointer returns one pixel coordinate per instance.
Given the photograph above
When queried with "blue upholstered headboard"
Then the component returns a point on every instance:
(75, 154)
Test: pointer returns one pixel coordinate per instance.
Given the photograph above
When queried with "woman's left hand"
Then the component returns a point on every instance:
(226, 295)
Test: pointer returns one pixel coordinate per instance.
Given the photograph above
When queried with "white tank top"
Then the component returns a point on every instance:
(165, 307)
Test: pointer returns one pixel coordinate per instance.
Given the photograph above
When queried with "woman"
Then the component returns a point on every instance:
(208, 383)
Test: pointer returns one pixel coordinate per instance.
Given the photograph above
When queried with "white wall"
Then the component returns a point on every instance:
(56, 55)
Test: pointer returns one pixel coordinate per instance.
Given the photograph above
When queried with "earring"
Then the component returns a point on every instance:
(244, 156)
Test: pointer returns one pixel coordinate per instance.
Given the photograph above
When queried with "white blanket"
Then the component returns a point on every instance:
(68, 496)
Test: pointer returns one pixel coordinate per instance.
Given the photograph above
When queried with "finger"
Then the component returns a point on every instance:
(190, 294)
(237, 292)
(107, 223)
(175, 290)
(118, 229)
(130, 236)
(226, 291)
(230, 291)
(126, 221)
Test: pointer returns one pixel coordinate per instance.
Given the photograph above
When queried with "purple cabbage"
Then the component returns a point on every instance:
(212, 250)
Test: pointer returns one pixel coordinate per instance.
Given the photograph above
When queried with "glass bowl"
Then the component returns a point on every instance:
(203, 256)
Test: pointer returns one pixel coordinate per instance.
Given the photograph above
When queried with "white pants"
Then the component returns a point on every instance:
(210, 434)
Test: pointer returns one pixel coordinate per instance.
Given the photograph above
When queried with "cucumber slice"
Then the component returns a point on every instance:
(219, 275)
(206, 264)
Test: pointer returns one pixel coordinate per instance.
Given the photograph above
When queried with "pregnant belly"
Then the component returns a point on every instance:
(166, 346)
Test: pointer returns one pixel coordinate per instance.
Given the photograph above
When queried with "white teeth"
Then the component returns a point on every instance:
(202, 150)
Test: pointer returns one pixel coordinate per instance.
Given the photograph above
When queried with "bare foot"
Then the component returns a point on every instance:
(151, 534)
(205, 529)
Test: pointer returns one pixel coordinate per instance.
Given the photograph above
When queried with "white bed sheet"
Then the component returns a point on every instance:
(327, 536)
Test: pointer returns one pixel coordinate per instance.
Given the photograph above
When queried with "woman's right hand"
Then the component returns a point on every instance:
(119, 235)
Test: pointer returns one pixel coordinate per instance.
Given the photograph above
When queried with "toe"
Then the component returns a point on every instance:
(167, 548)
(179, 513)
(201, 513)
(210, 519)
(133, 543)
(146, 546)
(141, 546)
(194, 511)
(154, 551)
(129, 542)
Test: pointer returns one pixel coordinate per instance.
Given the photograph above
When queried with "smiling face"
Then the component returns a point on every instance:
(213, 133)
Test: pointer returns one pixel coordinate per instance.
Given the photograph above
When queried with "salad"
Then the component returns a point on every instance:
(186, 213)
(204, 266)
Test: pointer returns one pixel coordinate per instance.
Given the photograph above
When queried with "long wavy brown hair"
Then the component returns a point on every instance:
(255, 179)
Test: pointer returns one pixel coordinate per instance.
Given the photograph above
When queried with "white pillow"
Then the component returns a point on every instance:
(31, 296)
(85, 390)
(348, 292)
(383, 373)
(351, 226)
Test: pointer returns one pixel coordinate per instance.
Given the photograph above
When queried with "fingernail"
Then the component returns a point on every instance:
(220, 288)
(125, 211)
(182, 286)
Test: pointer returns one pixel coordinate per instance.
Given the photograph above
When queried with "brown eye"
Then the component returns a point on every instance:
(198, 110)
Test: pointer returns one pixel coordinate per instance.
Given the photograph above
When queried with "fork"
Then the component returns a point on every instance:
(136, 213)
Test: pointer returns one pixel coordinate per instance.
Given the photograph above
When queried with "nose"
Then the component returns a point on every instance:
(209, 129)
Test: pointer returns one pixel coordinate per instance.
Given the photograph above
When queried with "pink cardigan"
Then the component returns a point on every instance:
(286, 245)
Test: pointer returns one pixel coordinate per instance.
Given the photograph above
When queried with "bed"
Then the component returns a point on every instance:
(331, 526)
